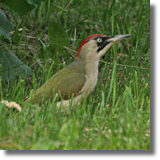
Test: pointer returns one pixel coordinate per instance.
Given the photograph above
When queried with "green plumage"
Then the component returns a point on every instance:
(66, 82)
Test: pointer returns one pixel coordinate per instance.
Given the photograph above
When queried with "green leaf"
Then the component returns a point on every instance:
(20, 6)
(10, 65)
(58, 39)
(6, 26)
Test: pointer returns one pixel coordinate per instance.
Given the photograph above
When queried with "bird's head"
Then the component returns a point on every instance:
(96, 45)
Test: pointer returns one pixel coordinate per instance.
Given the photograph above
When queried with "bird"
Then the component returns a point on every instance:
(77, 80)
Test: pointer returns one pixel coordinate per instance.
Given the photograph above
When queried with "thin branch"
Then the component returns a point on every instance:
(124, 65)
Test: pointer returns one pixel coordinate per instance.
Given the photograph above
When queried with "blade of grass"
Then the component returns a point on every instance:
(112, 81)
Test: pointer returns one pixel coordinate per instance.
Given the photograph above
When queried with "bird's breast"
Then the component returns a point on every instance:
(91, 82)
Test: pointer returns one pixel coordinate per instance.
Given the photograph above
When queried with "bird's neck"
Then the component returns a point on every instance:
(91, 63)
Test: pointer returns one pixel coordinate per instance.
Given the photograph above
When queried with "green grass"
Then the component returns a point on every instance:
(117, 114)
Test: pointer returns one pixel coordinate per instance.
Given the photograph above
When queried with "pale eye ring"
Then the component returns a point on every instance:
(99, 40)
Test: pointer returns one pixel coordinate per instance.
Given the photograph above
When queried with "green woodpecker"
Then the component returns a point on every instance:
(79, 79)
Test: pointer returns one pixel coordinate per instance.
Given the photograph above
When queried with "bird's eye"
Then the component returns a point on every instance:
(99, 40)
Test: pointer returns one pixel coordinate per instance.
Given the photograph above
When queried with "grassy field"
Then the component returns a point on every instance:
(117, 114)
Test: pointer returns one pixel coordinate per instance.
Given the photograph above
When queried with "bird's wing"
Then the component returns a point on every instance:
(66, 82)
(71, 84)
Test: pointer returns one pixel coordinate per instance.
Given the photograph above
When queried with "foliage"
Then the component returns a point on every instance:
(22, 7)
(6, 26)
(58, 39)
(10, 65)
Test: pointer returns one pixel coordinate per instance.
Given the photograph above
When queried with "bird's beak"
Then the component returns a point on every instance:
(117, 38)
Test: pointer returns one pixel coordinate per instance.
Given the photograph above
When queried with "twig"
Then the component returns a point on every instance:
(124, 65)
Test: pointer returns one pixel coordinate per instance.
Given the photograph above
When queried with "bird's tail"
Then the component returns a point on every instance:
(12, 104)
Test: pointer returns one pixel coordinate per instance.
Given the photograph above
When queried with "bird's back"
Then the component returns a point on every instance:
(66, 82)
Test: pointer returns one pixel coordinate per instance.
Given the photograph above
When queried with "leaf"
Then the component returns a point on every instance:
(58, 39)
(6, 26)
(10, 65)
(20, 6)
